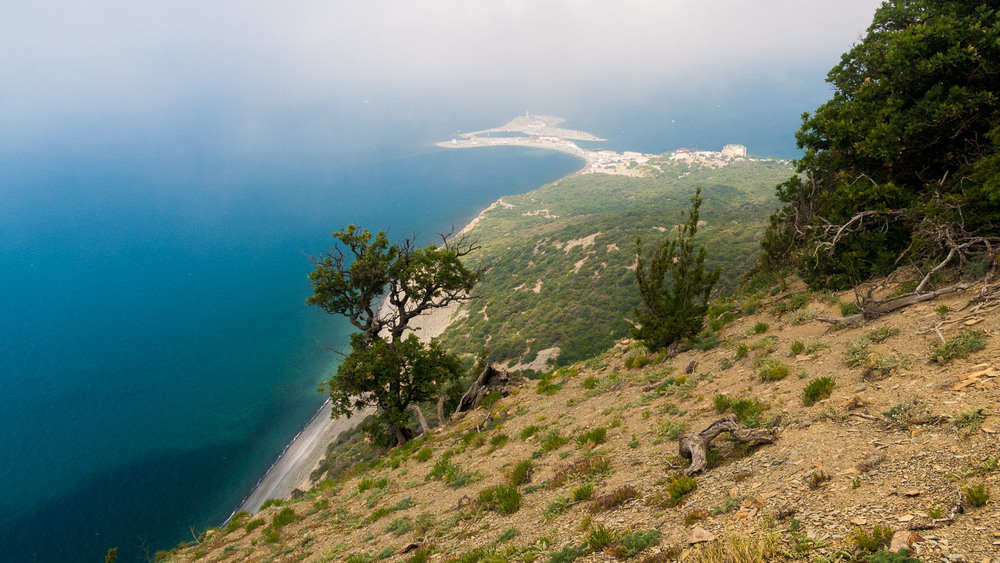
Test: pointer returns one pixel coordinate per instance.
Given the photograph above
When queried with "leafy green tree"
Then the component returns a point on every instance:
(673, 285)
(386, 367)
(902, 161)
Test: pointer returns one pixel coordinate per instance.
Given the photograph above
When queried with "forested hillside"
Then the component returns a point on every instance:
(559, 261)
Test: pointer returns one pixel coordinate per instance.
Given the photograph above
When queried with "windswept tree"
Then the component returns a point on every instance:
(381, 287)
(674, 285)
(901, 165)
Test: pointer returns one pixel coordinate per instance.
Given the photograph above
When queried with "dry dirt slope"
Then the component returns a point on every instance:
(898, 444)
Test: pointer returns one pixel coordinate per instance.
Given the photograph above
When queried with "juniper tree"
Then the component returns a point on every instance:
(901, 164)
(386, 368)
(673, 284)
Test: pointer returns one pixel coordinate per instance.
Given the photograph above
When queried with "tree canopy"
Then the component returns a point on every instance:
(386, 368)
(902, 162)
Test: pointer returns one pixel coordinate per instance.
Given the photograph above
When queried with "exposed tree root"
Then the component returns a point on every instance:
(695, 446)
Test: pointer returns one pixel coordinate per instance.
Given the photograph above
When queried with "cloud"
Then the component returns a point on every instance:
(117, 60)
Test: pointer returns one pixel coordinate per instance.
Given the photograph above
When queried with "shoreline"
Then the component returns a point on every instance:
(300, 457)
(293, 467)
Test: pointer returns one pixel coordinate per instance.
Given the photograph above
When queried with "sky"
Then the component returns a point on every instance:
(92, 70)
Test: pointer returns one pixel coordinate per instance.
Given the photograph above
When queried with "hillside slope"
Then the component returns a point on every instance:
(559, 260)
(594, 448)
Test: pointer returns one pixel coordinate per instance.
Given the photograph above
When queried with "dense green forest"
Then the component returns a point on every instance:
(559, 261)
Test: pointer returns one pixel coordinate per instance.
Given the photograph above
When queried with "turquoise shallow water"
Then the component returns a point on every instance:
(156, 351)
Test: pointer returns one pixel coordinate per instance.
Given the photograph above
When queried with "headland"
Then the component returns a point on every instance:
(542, 132)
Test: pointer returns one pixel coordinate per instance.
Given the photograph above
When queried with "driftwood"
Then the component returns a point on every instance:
(695, 446)
(489, 381)
(890, 306)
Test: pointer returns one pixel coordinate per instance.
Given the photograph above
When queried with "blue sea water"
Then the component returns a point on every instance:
(156, 354)
(156, 351)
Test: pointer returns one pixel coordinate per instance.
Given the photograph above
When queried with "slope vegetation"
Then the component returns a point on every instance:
(559, 260)
(899, 443)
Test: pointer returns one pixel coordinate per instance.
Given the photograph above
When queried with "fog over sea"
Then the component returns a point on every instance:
(156, 354)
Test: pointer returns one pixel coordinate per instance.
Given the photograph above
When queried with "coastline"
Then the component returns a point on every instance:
(303, 454)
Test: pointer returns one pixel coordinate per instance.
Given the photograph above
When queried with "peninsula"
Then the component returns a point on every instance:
(543, 132)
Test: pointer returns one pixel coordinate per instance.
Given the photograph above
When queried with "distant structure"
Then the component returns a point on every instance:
(732, 151)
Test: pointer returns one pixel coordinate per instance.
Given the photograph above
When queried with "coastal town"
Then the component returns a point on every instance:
(541, 132)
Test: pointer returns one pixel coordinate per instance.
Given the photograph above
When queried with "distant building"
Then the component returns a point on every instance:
(732, 151)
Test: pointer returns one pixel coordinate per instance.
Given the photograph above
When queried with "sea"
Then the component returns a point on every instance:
(156, 352)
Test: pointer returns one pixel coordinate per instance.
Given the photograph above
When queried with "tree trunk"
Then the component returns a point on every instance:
(440, 411)
(398, 431)
(695, 446)
(420, 417)
(490, 380)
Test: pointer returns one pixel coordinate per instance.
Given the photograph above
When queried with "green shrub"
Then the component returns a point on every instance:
(422, 555)
(567, 554)
(583, 493)
(883, 556)
(961, 345)
(878, 538)
(553, 441)
(507, 535)
(760, 328)
(594, 436)
(237, 521)
(521, 472)
(491, 399)
(970, 419)
(817, 390)
(272, 502)
(773, 370)
(748, 411)
(529, 431)
(505, 499)
(424, 454)
(721, 403)
(671, 429)
(880, 335)
(253, 524)
(679, 488)
(798, 347)
(399, 526)
(283, 518)
(707, 340)
(632, 544)
(848, 308)
(556, 507)
(368, 483)
(600, 537)
(792, 303)
(546, 386)
(271, 535)
(590, 382)
(498, 441)
(977, 495)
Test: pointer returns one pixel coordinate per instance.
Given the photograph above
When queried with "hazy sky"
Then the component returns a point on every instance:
(118, 63)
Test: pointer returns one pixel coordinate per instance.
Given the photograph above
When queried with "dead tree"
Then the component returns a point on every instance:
(695, 446)
(490, 380)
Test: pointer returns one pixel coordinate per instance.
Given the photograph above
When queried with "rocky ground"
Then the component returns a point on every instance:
(580, 465)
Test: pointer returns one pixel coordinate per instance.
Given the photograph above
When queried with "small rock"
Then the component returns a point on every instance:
(859, 521)
(905, 518)
(911, 493)
(700, 535)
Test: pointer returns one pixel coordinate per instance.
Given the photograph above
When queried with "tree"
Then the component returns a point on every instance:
(900, 163)
(386, 368)
(673, 308)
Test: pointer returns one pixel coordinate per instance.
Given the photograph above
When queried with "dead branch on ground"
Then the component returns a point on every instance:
(695, 446)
